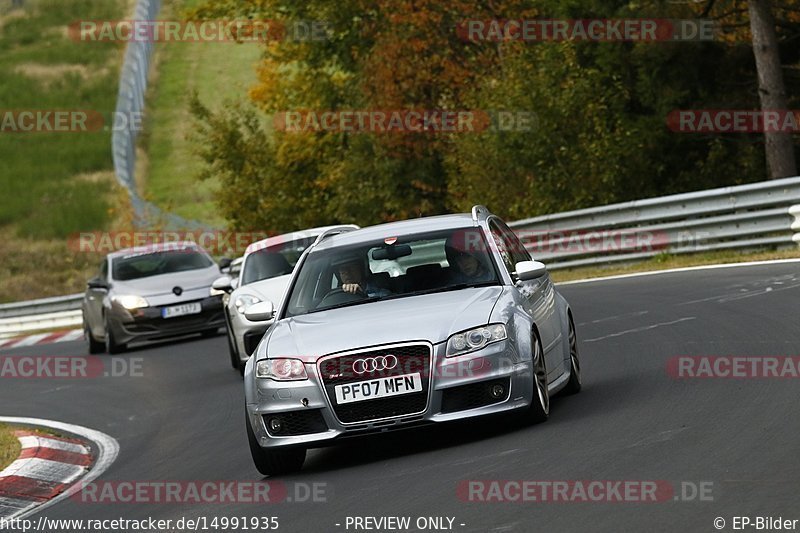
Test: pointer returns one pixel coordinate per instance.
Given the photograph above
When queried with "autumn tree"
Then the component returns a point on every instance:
(599, 109)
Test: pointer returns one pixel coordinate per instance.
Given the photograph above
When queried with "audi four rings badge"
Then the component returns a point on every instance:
(374, 364)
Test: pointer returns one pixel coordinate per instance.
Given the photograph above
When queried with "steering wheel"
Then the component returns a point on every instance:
(338, 296)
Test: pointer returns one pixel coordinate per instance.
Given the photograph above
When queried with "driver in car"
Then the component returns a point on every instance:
(355, 281)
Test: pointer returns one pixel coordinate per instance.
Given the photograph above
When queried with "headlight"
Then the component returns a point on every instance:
(281, 369)
(130, 301)
(244, 301)
(474, 339)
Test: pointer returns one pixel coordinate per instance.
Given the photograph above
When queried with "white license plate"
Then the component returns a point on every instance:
(378, 388)
(181, 310)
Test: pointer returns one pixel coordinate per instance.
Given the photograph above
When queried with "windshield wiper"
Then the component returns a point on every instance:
(447, 288)
(346, 304)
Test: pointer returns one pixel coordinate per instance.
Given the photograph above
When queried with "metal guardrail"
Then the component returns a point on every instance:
(131, 105)
(12, 327)
(48, 313)
(45, 305)
(748, 216)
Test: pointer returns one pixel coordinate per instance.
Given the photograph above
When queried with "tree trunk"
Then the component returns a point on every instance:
(771, 90)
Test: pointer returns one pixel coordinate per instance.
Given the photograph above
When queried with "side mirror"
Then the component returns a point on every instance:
(260, 312)
(223, 284)
(97, 283)
(528, 270)
(224, 263)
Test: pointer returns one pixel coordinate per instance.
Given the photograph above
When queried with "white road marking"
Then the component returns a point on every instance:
(617, 317)
(684, 269)
(724, 298)
(663, 436)
(644, 328)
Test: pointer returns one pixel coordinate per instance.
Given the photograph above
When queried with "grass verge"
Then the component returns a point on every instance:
(218, 72)
(666, 262)
(9, 446)
(31, 269)
(56, 183)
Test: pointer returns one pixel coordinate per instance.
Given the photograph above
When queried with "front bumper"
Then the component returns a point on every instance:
(148, 324)
(459, 388)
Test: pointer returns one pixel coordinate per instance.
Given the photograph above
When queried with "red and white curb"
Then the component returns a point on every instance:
(42, 338)
(45, 468)
(49, 468)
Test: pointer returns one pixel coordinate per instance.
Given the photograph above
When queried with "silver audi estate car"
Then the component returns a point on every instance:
(407, 323)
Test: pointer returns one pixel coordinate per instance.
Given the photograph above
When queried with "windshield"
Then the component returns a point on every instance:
(136, 266)
(408, 266)
(274, 261)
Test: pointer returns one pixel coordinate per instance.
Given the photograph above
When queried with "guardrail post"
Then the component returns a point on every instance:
(795, 212)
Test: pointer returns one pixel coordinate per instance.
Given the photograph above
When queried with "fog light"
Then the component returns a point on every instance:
(498, 391)
(275, 425)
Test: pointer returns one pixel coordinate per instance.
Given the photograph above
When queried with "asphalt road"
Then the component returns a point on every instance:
(183, 420)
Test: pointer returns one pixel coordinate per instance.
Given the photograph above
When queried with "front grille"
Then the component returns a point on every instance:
(297, 423)
(473, 395)
(412, 358)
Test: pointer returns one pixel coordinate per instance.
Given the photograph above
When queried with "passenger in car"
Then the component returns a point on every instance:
(465, 267)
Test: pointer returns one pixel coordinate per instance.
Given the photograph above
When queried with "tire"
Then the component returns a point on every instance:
(274, 462)
(111, 345)
(539, 410)
(574, 384)
(94, 346)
